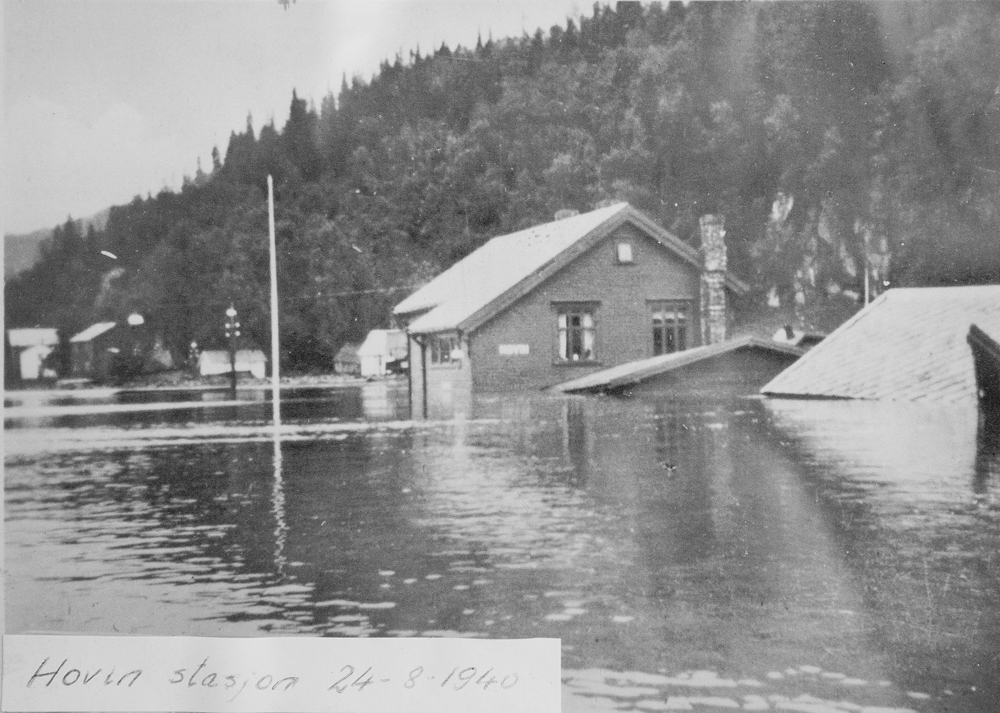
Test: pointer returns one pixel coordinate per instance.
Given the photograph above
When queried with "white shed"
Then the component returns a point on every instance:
(216, 361)
(381, 347)
(32, 346)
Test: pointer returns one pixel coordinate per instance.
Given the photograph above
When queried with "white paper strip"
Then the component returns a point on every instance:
(301, 675)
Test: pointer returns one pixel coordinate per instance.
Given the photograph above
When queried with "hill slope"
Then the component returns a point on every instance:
(22, 250)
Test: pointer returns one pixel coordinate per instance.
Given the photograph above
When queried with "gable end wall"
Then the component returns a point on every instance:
(623, 326)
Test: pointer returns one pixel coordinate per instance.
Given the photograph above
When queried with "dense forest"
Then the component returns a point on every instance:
(833, 136)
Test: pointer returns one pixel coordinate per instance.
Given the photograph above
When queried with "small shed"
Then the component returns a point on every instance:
(735, 366)
(30, 347)
(347, 361)
(92, 351)
(216, 361)
(910, 344)
(381, 349)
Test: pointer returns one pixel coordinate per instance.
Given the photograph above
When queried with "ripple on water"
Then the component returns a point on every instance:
(585, 689)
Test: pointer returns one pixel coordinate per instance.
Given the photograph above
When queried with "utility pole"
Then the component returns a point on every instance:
(275, 352)
(232, 332)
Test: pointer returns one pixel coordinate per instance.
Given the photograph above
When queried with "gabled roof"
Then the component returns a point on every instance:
(638, 371)
(509, 266)
(33, 336)
(94, 330)
(909, 344)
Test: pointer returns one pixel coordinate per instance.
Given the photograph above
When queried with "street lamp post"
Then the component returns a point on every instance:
(232, 332)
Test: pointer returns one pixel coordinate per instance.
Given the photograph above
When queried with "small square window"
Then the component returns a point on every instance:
(624, 252)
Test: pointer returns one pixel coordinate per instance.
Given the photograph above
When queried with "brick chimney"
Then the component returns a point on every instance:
(713, 289)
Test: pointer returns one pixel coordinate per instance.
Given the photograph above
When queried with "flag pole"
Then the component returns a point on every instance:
(275, 371)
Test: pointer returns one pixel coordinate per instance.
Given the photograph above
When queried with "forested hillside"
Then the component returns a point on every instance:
(831, 135)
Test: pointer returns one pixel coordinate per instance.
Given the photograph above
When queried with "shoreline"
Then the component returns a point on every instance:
(212, 383)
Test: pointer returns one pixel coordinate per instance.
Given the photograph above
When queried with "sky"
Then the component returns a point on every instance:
(104, 100)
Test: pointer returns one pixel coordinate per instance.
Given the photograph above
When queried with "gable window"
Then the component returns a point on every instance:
(670, 326)
(624, 253)
(576, 333)
(441, 348)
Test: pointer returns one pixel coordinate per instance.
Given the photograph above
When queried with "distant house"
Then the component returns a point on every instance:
(111, 351)
(347, 361)
(30, 347)
(216, 361)
(381, 348)
(735, 366)
(563, 299)
(910, 344)
(93, 350)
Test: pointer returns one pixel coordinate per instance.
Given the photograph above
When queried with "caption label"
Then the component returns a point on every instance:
(104, 673)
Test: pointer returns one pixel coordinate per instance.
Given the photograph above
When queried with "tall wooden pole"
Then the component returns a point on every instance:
(275, 364)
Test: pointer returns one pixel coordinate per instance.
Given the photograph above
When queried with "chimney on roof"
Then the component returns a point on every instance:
(713, 277)
(566, 213)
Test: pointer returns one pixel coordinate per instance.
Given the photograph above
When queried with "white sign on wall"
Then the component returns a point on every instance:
(513, 349)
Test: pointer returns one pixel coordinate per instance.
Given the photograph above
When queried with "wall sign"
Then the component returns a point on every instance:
(513, 349)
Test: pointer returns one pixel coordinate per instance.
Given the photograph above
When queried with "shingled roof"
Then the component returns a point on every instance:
(507, 267)
(907, 345)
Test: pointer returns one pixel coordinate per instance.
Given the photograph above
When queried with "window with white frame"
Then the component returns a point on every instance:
(576, 330)
(670, 326)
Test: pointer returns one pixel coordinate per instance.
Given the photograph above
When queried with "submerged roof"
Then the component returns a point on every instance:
(94, 330)
(637, 371)
(909, 344)
(33, 336)
(508, 266)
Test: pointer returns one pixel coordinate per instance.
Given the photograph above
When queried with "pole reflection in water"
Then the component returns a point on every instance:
(278, 499)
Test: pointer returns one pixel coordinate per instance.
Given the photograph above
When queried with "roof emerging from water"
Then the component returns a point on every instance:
(506, 267)
(908, 345)
(636, 372)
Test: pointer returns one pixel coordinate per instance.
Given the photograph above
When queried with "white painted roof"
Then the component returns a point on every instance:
(94, 330)
(500, 264)
(33, 336)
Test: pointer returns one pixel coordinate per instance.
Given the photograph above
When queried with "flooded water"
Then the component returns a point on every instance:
(690, 554)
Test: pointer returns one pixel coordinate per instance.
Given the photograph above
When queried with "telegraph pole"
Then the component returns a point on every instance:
(275, 353)
(232, 332)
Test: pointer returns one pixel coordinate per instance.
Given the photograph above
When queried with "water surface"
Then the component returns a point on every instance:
(789, 555)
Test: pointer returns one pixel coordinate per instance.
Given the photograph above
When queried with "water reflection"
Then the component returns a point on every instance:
(909, 489)
(278, 496)
(660, 538)
(987, 453)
